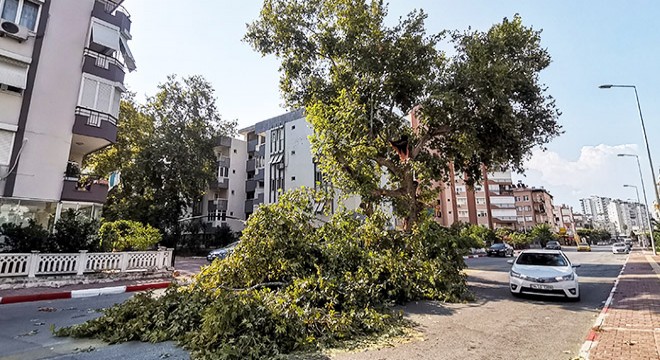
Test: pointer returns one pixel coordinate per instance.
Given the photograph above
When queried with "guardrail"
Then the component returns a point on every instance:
(36, 263)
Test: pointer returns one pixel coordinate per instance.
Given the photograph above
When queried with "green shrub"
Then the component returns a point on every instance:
(74, 232)
(128, 235)
(23, 239)
(296, 284)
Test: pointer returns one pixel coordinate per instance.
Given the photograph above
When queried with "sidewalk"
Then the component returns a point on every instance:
(631, 325)
(185, 268)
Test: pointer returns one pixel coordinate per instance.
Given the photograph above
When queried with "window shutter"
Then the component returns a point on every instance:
(88, 97)
(104, 97)
(6, 142)
(115, 103)
(13, 73)
(105, 34)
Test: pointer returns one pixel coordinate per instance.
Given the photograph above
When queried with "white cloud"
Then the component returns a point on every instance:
(597, 171)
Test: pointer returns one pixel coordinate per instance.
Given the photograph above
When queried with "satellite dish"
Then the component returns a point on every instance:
(10, 27)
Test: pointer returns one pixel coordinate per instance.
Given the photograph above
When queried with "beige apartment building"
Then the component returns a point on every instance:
(62, 69)
(534, 206)
(489, 203)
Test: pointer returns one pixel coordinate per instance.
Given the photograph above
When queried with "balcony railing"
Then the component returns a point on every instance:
(94, 117)
(102, 60)
(95, 191)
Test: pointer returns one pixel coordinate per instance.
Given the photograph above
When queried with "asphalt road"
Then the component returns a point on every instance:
(495, 326)
(499, 326)
(25, 333)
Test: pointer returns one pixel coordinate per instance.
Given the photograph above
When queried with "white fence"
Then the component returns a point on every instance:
(31, 265)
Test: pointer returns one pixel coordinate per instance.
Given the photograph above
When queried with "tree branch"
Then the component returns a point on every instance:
(255, 287)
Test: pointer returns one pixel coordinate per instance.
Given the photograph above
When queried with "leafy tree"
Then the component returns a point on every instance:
(165, 154)
(519, 240)
(358, 79)
(482, 236)
(542, 233)
(127, 235)
(74, 232)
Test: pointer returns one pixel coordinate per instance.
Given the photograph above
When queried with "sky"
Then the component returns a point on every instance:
(591, 43)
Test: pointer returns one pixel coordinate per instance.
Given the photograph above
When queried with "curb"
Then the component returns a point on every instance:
(592, 338)
(474, 256)
(74, 294)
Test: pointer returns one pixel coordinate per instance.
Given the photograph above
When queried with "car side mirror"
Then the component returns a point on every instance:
(576, 265)
(509, 261)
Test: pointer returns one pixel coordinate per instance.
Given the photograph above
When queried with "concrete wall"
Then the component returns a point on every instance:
(237, 178)
(51, 117)
(298, 155)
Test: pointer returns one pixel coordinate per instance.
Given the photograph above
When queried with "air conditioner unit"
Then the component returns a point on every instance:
(10, 29)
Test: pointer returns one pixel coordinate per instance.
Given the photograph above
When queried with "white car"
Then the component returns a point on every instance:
(620, 248)
(544, 272)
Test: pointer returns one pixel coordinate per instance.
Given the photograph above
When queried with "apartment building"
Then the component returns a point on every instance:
(490, 203)
(564, 221)
(534, 206)
(62, 69)
(627, 216)
(594, 208)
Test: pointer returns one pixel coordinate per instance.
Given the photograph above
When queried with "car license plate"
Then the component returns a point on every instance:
(542, 287)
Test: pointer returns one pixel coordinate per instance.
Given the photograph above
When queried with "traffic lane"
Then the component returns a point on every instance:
(25, 332)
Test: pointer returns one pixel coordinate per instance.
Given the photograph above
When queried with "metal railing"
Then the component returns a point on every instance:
(111, 7)
(102, 60)
(36, 263)
(94, 117)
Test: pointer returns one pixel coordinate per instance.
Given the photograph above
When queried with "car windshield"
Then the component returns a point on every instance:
(497, 246)
(541, 259)
(552, 243)
(619, 244)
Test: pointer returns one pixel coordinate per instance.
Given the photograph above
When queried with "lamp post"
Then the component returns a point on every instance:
(646, 202)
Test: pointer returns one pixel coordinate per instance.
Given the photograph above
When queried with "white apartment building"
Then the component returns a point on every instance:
(594, 208)
(627, 216)
(62, 68)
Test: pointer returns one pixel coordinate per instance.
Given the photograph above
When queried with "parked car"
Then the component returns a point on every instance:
(544, 272)
(583, 246)
(222, 252)
(500, 249)
(553, 245)
(620, 248)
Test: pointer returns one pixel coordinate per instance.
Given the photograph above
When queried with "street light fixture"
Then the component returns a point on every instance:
(646, 202)
(648, 150)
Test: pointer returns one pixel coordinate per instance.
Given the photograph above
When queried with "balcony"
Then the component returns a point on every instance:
(259, 199)
(220, 184)
(217, 205)
(223, 141)
(92, 130)
(251, 165)
(91, 191)
(259, 176)
(249, 206)
(103, 66)
(224, 162)
(252, 145)
(250, 185)
(111, 12)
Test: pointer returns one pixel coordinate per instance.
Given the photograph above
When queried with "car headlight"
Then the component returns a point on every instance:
(568, 277)
(517, 275)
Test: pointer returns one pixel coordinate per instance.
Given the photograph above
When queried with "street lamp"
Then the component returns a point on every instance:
(648, 150)
(641, 178)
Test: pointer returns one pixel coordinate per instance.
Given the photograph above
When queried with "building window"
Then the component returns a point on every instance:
(517, 198)
(481, 201)
(23, 12)
(482, 214)
(293, 152)
(223, 172)
(6, 143)
(293, 127)
(97, 94)
(461, 201)
(460, 189)
(293, 178)
(525, 198)
(463, 213)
